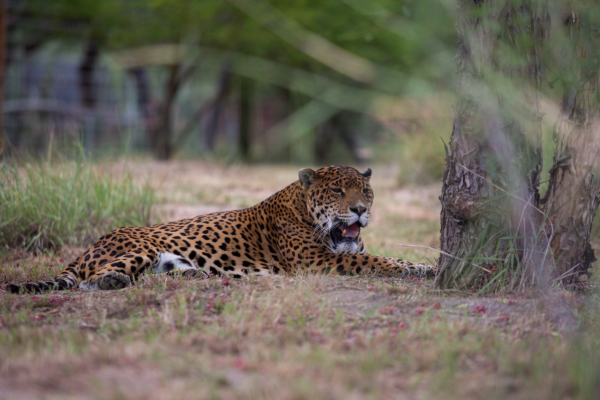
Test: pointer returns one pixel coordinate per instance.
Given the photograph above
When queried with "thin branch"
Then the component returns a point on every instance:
(444, 253)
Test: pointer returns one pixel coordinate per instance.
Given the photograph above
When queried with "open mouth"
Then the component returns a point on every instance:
(346, 232)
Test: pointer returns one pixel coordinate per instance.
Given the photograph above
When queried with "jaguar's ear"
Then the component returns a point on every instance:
(307, 177)
(367, 173)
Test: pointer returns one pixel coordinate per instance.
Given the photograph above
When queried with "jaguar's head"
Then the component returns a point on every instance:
(339, 201)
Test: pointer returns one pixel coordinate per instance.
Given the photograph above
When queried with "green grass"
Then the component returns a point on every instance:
(45, 205)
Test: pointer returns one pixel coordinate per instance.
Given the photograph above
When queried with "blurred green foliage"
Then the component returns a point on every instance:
(313, 60)
(411, 36)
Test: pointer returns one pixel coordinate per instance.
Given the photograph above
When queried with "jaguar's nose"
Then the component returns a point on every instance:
(359, 210)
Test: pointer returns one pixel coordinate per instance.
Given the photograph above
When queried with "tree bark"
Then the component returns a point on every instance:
(574, 190)
(493, 162)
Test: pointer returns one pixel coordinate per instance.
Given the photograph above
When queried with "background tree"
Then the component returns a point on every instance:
(574, 190)
(490, 186)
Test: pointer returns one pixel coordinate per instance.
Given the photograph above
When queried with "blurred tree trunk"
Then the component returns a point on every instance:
(490, 185)
(246, 97)
(142, 88)
(161, 134)
(325, 135)
(574, 190)
(2, 66)
(342, 124)
(287, 98)
(220, 99)
(88, 92)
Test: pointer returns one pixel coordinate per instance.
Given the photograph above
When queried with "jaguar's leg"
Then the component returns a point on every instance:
(414, 269)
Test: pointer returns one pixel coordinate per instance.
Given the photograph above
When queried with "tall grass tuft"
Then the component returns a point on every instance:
(48, 205)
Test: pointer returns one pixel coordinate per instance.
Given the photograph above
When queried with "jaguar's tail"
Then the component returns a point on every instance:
(66, 279)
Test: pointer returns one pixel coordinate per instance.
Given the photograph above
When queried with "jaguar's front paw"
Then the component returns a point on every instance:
(113, 280)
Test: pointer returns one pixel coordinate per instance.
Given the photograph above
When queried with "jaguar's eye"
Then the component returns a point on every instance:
(336, 190)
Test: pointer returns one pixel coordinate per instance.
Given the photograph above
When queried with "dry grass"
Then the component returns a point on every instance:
(293, 337)
(284, 338)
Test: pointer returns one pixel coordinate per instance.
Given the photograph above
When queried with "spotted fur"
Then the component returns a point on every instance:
(300, 228)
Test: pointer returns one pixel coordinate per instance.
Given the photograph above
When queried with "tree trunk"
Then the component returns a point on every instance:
(161, 137)
(142, 88)
(342, 124)
(219, 102)
(2, 65)
(574, 190)
(246, 94)
(88, 92)
(490, 185)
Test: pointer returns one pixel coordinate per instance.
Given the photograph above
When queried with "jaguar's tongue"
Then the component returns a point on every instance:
(350, 231)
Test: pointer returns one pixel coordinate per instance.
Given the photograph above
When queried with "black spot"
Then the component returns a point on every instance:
(184, 261)
(168, 266)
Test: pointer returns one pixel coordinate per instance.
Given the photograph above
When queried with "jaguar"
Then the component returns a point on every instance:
(313, 226)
